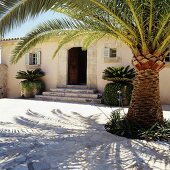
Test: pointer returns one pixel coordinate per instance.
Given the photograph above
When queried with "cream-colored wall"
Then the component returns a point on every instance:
(56, 69)
(165, 85)
(12, 82)
(124, 58)
(48, 65)
(125, 55)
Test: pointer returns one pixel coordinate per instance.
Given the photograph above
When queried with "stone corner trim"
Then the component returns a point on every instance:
(3, 80)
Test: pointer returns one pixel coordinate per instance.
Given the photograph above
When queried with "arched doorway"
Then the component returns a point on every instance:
(77, 66)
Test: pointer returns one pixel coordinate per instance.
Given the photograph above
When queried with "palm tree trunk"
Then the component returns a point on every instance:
(145, 107)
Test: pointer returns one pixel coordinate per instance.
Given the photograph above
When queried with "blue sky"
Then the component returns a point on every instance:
(28, 26)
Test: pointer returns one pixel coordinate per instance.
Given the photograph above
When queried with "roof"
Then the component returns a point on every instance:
(10, 39)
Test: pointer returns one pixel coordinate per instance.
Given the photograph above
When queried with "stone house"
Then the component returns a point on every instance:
(71, 66)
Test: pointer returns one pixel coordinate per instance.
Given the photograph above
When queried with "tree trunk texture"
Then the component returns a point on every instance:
(145, 107)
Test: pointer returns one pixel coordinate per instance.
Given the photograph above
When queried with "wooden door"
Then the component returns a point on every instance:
(77, 66)
(73, 67)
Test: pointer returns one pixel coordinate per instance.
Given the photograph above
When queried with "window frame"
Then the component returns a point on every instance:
(33, 59)
(110, 52)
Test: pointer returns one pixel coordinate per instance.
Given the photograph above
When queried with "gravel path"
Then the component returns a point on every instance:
(38, 135)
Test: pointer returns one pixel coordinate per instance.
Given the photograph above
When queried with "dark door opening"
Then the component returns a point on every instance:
(77, 66)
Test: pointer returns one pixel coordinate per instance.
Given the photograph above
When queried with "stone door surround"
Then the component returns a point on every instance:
(62, 66)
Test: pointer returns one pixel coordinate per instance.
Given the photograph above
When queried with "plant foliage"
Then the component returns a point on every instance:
(122, 78)
(141, 24)
(111, 96)
(119, 74)
(31, 84)
(121, 126)
(30, 75)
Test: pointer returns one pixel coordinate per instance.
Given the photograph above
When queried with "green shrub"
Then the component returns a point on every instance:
(121, 126)
(31, 85)
(30, 75)
(157, 132)
(39, 86)
(121, 78)
(111, 95)
(119, 74)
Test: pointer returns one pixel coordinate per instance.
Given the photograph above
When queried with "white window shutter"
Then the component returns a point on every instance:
(27, 59)
(38, 57)
(113, 53)
(106, 52)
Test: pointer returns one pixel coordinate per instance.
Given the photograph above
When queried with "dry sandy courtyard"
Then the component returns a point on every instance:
(38, 135)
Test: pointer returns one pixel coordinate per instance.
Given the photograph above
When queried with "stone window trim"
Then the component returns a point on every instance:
(110, 52)
(110, 55)
(112, 60)
(33, 58)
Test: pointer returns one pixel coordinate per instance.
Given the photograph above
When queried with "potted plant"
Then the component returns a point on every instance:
(32, 84)
(120, 90)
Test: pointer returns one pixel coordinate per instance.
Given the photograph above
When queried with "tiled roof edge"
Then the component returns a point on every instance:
(10, 39)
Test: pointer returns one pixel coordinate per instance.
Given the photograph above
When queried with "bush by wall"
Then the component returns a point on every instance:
(119, 91)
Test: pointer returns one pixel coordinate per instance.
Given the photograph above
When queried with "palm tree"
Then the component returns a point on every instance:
(141, 24)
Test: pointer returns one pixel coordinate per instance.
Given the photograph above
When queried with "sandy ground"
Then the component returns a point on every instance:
(39, 135)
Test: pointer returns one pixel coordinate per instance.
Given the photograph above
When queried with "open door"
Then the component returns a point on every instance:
(77, 66)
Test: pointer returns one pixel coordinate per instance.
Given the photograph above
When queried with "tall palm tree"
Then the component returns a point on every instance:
(144, 25)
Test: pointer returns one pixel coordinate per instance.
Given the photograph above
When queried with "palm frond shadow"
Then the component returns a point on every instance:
(73, 142)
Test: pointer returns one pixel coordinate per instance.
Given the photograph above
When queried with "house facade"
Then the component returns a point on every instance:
(72, 65)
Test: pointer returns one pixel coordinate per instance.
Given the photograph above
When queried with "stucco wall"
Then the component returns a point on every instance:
(3, 80)
(48, 65)
(165, 85)
(56, 69)
(124, 58)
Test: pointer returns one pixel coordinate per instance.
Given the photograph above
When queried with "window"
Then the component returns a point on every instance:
(110, 52)
(167, 58)
(33, 58)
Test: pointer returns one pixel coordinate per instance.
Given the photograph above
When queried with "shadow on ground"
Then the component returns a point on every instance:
(74, 142)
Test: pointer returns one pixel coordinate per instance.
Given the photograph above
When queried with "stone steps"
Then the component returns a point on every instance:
(72, 93)
(68, 99)
(66, 94)
(74, 90)
(75, 86)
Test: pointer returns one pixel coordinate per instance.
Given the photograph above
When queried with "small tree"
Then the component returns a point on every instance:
(121, 78)
(31, 83)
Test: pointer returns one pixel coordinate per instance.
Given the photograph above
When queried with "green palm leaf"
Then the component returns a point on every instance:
(143, 25)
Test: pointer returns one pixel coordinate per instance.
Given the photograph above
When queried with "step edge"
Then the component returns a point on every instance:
(46, 96)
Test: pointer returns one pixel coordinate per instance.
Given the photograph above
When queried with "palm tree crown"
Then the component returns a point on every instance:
(143, 25)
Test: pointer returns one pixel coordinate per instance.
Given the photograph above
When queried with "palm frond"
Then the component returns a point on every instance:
(164, 22)
(88, 37)
(92, 37)
(142, 25)
(69, 36)
(44, 32)
(138, 25)
(150, 18)
(163, 46)
(14, 13)
(105, 8)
